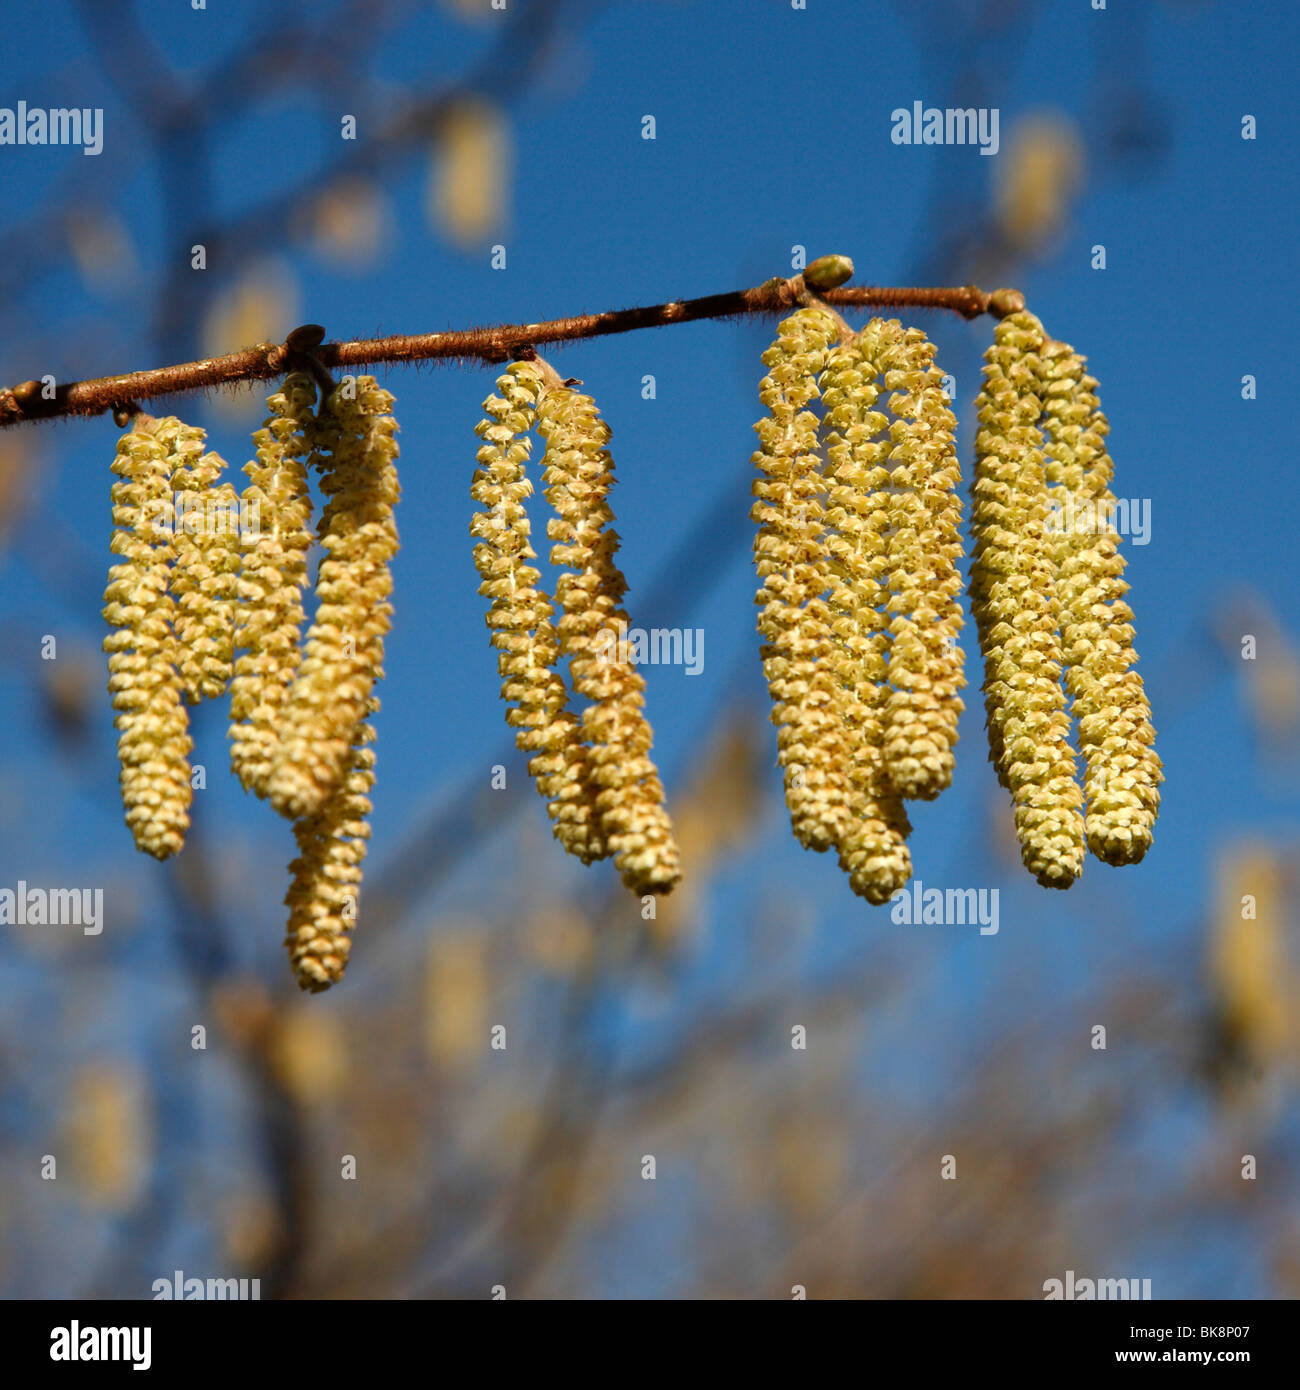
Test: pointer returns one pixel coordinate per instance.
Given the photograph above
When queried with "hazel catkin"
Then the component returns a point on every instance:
(873, 847)
(1018, 612)
(519, 616)
(205, 569)
(859, 614)
(794, 620)
(272, 573)
(1122, 773)
(924, 511)
(153, 743)
(343, 652)
(324, 894)
(629, 797)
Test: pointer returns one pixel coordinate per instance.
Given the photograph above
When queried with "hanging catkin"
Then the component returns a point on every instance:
(273, 571)
(344, 650)
(859, 611)
(153, 743)
(873, 849)
(794, 620)
(1122, 773)
(629, 797)
(324, 895)
(205, 572)
(924, 510)
(520, 615)
(1018, 612)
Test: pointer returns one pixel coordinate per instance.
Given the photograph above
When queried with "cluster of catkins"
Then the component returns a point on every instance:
(594, 768)
(857, 548)
(207, 595)
(1048, 599)
(857, 552)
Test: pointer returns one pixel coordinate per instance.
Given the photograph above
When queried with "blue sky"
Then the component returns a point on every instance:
(772, 131)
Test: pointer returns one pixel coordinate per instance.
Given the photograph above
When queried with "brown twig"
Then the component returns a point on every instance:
(26, 401)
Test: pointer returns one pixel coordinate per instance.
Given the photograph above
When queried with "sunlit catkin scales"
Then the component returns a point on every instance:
(324, 894)
(356, 450)
(519, 616)
(1122, 773)
(1014, 596)
(873, 847)
(272, 573)
(629, 796)
(205, 571)
(153, 743)
(924, 511)
(794, 619)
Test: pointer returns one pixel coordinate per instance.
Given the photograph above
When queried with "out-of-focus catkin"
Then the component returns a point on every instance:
(153, 744)
(344, 650)
(794, 619)
(924, 511)
(578, 474)
(273, 571)
(519, 616)
(1018, 612)
(205, 572)
(1122, 773)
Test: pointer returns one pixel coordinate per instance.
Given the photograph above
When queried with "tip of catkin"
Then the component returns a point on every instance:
(316, 973)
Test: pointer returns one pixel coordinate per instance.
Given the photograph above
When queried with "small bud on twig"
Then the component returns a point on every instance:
(828, 272)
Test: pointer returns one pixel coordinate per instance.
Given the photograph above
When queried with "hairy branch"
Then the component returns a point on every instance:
(27, 401)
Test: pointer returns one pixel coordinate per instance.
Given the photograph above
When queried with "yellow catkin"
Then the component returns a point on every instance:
(1018, 612)
(873, 849)
(273, 571)
(324, 894)
(344, 650)
(578, 473)
(206, 567)
(1122, 773)
(520, 615)
(794, 620)
(924, 509)
(354, 442)
(153, 742)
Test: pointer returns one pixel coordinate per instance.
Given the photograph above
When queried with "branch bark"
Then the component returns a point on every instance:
(265, 361)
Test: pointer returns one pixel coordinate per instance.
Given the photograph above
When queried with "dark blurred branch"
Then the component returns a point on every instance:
(278, 55)
(509, 66)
